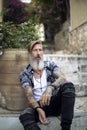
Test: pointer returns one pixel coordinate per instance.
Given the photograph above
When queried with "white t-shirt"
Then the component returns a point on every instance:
(39, 85)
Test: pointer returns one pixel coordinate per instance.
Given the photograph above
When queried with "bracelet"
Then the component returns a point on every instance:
(37, 107)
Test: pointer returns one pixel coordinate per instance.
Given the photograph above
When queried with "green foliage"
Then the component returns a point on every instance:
(17, 36)
(53, 13)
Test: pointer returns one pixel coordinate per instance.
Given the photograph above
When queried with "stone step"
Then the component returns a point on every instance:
(11, 120)
(81, 104)
(81, 89)
(13, 123)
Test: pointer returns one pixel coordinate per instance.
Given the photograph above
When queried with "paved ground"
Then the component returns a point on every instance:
(9, 120)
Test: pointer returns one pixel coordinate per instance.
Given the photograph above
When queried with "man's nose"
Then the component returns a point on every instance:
(38, 52)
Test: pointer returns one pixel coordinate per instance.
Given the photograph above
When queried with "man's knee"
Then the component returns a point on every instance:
(68, 88)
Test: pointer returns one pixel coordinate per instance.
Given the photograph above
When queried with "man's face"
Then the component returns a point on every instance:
(36, 57)
(37, 52)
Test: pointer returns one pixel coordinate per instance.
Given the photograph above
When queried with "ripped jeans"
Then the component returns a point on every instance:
(61, 104)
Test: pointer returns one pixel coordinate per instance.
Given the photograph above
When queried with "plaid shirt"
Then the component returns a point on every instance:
(26, 76)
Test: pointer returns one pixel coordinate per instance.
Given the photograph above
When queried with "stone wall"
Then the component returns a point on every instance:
(78, 40)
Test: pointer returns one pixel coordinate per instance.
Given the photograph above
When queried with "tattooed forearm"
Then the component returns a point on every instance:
(58, 82)
(29, 95)
(32, 102)
(49, 90)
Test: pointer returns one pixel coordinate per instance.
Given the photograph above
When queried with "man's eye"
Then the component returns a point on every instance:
(40, 50)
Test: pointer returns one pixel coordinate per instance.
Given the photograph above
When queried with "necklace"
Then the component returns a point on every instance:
(38, 74)
(37, 77)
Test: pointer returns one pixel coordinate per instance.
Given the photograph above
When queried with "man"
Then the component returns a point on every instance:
(47, 90)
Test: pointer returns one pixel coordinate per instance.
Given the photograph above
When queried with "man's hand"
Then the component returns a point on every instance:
(42, 116)
(45, 98)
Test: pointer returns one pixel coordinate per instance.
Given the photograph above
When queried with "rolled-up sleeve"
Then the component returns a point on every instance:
(55, 67)
(24, 79)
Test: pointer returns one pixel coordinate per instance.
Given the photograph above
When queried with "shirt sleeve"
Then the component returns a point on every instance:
(55, 67)
(24, 79)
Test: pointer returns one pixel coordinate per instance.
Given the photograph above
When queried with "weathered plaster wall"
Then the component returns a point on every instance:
(78, 40)
(78, 12)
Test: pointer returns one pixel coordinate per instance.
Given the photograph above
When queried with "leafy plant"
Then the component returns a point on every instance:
(15, 11)
(17, 36)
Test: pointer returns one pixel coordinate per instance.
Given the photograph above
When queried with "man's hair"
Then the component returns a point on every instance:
(32, 44)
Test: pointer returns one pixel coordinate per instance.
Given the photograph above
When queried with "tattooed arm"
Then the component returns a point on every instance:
(32, 102)
(60, 79)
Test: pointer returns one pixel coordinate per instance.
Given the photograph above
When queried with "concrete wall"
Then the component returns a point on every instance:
(78, 12)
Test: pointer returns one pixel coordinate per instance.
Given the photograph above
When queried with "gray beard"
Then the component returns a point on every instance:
(36, 64)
